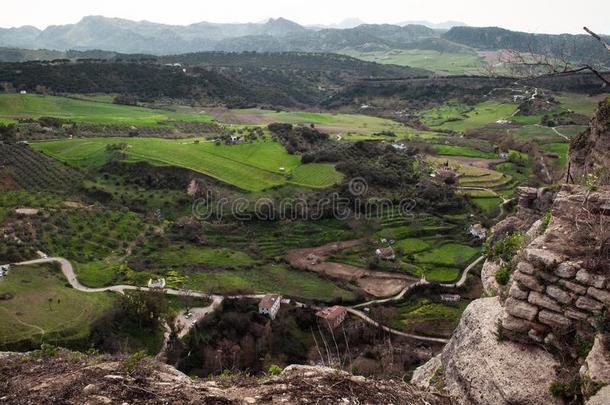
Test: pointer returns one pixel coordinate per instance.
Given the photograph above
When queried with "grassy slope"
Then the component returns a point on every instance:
(28, 314)
(460, 117)
(34, 106)
(250, 166)
(441, 63)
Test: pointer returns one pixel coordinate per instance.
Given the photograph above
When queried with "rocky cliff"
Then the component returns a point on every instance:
(62, 377)
(590, 151)
(545, 336)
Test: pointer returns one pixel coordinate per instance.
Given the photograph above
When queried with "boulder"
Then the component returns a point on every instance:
(516, 292)
(554, 320)
(544, 301)
(588, 278)
(597, 363)
(558, 294)
(488, 278)
(566, 270)
(589, 304)
(600, 295)
(543, 258)
(478, 369)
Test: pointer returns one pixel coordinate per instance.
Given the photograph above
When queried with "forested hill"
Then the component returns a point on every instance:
(255, 81)
(581, 48)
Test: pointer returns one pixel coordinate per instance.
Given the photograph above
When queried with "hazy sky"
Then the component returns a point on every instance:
(551, 16)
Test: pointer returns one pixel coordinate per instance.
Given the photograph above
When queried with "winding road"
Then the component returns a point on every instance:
(216, 300)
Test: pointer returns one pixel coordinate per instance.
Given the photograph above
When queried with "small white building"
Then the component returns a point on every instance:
(450, 297)
(23, 92)
(159, 283)
(270, 305)
(385, 253)
(503, 154)
(478, 231)
(4, 270)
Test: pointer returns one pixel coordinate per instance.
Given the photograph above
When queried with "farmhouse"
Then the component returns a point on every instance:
(270, 305)
(385, 253)
(478, 231)
(4, 270)
(333, 315)
(159, 283)
(503, 154)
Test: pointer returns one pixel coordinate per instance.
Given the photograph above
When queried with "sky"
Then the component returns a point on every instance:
(539, 16)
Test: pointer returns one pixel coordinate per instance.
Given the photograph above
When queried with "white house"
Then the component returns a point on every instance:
(159, 283)
(23, 92)
(4, 270)
(450, 297)
(270, 305)
(385, 253)
(478, 231)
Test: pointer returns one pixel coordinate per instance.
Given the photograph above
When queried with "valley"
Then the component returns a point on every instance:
(229, 211)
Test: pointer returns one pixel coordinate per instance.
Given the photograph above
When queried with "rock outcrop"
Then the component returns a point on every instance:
(74, 378)
(590, 151)
(561, 280)
(477, 368)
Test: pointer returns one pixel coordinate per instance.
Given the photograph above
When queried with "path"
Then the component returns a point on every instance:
(560, 134)
(70, 275)
(367, 319)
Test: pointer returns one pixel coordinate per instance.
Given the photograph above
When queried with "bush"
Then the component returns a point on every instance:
(505, 249)
(502, 275)
(133, 361)
(274, 369)
(545, 220)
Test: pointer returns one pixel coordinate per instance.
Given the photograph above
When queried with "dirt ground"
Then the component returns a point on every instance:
(375, 283)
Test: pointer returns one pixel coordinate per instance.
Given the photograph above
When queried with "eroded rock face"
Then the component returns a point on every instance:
(590, 151)
(597, 363)
(476, 368)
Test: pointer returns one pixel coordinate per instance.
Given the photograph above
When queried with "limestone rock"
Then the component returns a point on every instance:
(544, 301)
(601, 398)
(588, 278)
(543, 258)
(575, 287)
(488, 278)
(521, 309)
(477, 369)
(516, 292)
(566, 270)
(528, 281)
(589, 304)
(554, 320)
(600, 295)
(597, 363)
(558, 294)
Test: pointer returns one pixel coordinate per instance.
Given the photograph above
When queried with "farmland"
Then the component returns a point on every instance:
(334, 123)
(444, 63)
(460, 117)
(14, 106)
(249, 166)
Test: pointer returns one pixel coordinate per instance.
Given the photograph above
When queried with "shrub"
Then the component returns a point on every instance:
(505, 249)
(274, 369)
(502, 275)
(545, 220)
(133, 361)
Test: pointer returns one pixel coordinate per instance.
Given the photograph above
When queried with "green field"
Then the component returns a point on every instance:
(560, 149)
(423, 315)
(461, 117)
(581, 103)
(444, 63)
(79, 110)
(537, 133)
(44, 308)
(456, 150)
(249, 166)
(334, 123)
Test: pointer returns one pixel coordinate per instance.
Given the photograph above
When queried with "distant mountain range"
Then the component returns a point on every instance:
(281, 35)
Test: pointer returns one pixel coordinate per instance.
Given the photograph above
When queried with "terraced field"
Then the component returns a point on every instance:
(250, 166)
(13, 106)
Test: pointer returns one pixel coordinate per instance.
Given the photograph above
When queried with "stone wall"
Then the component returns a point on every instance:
(553, 291)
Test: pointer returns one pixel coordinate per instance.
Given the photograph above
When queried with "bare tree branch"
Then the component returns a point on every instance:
(599, 38)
